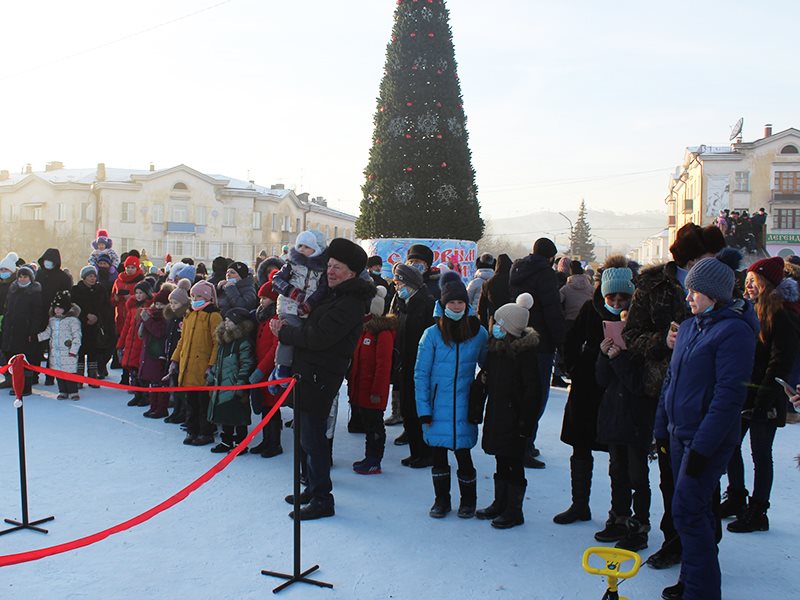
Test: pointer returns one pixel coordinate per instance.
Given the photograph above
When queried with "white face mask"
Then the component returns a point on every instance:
(48, 264)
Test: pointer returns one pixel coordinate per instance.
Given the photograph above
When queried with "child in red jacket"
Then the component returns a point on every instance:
(129, 344)
(266, 345)
(369, 379)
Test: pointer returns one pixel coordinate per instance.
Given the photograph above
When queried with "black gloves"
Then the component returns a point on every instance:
(695, 464)
(426, 420)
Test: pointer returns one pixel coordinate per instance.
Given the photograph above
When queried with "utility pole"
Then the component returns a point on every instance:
(570, 232)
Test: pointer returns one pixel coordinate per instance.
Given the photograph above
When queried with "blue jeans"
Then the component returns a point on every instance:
(318, 456)
(545, 366)
(694, 519)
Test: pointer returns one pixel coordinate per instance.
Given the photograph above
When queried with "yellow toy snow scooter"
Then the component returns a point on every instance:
(613, 558)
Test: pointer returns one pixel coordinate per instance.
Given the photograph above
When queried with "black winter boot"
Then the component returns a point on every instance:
(636, 537)
(512, 515)
(733, 503)
(581, 479)
(615, 529)
(754, 518)
(441, 487)
(467, 489)
(496, 508)
(93, 374)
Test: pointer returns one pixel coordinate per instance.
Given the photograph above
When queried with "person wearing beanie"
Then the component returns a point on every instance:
(660, 300)
(494, 293)
(97, 324)
(63, 332)
(301, 283)
(421, 257)
(194, 357)
(22, 321)
(238, 290)
(121, 292)
(576, 292)
(235, 360)
(129, 343)
(562, 270)
(182, 271)
(369, 380)
(152, 359)
(483, 273)
(261, 399)
(323, 347)
(219, 267)
(269, 264)
(534, 274)
(53, 279)
(445, 369)
(512, 404)
(700, 410)
(775, 299)
(413, 305)
(102, 245)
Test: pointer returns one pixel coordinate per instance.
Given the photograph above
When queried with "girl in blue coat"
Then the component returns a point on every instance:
(448, 353)
(699, 412)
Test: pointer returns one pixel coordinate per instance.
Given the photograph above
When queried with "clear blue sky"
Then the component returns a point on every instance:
(564, 99)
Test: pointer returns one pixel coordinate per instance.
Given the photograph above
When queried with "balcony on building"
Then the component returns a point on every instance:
(177, 227)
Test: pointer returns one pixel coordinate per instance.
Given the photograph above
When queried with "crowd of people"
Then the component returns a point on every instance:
(743, 230)
(678, 361)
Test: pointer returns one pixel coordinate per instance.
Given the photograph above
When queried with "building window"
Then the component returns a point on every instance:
(786, 218)
(158, 214)
(256, 220)
(688, 205)
(87, 212)
(12, 213)
(200, 215)
(126, 244)
(201, 249)
(297, 225)
(229, 217)
(286, 224)
(789, 149)
(62, 212)
(335, 231)
(227, 249)
(32, 212)
(180, 187)
(742, 181)
(214, 249)
(787, 182)
(128, 212)
(274, 221)
(157, 249)
(180, 213)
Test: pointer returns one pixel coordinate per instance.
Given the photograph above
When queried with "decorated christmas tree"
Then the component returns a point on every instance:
(582, 244)
(419, 180)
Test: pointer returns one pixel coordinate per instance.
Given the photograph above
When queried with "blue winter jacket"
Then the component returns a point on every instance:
(706, 383)
(442, 378)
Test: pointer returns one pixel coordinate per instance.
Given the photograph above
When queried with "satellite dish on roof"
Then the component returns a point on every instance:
(737, 129)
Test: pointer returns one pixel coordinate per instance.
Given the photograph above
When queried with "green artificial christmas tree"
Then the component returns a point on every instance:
(419, 180)
(582, 244)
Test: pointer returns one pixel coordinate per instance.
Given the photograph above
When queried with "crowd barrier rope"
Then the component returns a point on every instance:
(179, 496)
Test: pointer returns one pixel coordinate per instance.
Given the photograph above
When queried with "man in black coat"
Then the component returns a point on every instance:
(534, 274)
(53, 280)
(97, 320)
(324, 345)
(21, 323)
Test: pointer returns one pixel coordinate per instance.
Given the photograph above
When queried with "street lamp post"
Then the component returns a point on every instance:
(570, 232)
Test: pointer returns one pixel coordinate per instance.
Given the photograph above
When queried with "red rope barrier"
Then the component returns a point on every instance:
(14, 559)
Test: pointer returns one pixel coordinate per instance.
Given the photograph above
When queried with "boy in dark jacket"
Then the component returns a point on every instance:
(153, 362)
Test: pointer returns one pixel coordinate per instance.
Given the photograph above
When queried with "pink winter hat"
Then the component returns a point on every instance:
(205, 290)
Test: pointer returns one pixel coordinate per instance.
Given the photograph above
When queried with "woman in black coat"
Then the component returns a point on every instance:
(22, 320)
(53, 280)
(494, 292)
(514, 400)
(97, 320)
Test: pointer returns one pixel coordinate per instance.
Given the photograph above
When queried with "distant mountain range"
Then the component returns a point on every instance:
(620, 231)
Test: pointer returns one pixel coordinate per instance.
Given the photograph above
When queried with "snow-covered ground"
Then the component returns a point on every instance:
(96, 462)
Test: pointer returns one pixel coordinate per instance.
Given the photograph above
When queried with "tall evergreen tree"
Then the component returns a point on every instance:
(419, 180)
(582, 244)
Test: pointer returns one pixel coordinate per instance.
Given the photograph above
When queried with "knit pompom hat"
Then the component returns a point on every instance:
(617, 280)
(62, 299)
(453, 288)
(266, 291)
(102, 238)
(181, 293)
(513, 317)
(88, 270)
(10, 262)
(27, 270)
(378, 303)
(205, 290)
(132, 261)
(770, 268)
(715, 276)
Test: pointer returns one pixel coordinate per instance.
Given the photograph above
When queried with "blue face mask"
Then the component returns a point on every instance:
(419, 267)
(23, 285)
(231, 280)
(5, 275)
(404, 293)
(709, 309)
(498, 332)
(198, 304)
(453, 315)
(612, 310)
(48, 264)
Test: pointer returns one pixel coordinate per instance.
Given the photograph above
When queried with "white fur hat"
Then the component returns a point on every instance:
(10, 262)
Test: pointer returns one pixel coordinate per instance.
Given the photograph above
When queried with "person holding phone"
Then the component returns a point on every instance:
(775, 299)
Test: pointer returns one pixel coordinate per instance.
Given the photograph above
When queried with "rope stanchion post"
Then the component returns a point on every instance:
(17, 368)
(297, 576)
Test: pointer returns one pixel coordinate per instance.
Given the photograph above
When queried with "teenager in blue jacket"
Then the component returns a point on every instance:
(445, 369)
(699, 412)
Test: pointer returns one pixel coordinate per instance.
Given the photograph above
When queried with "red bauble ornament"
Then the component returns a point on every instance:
(444, 165)
(413, 35)
(438, 105)
(430, 35)
(438, 71)
(438, 136)
(409, 104)
(408, 136)
(371, 177)
(380, 109)
(413, 67)
(409, 169)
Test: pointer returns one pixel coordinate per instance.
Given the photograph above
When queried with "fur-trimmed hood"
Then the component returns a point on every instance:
(514, 346)
(657, 275)
(789, 290)
(227, 336)
(74, 311)
(383, 323)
